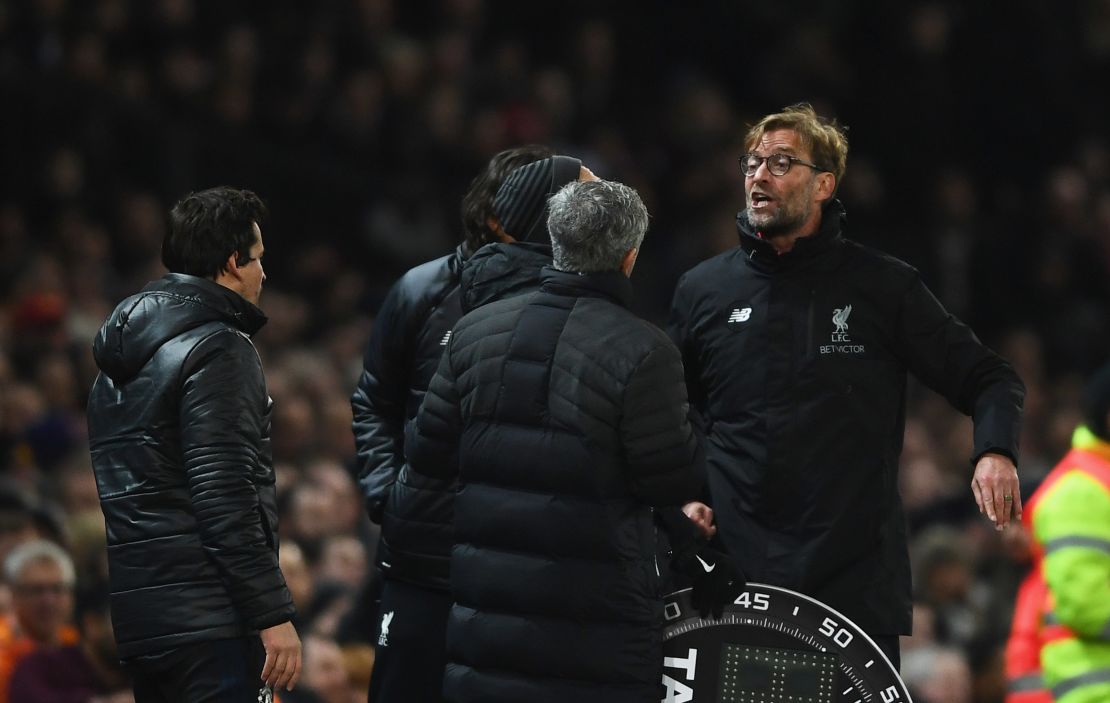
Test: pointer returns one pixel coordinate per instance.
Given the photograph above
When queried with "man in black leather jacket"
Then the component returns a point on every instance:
(179, 429)
(410, 331)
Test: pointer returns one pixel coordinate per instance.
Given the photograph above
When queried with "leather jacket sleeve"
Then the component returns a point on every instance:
(223, 413)
(378, 405)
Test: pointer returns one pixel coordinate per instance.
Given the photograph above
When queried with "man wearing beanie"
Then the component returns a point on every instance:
(409, 334)
(563, 417)
(511, 266)
(1070, 518)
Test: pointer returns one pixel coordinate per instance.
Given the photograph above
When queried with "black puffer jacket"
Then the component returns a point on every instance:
(410, 332)
(564, 417)
(498, 271)
(798, 362)
(179, 428)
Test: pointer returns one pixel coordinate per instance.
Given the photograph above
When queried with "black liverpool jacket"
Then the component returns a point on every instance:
(798, 364)
(179, 429)
(410, 332)
(563, 415)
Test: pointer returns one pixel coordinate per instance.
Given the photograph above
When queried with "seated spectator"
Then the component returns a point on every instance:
(937, 675)
(41, 577)
(86, 671)
(325, 671)
(16, 527)
(944, 572)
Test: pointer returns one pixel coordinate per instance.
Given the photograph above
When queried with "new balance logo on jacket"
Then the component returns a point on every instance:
(740, 315)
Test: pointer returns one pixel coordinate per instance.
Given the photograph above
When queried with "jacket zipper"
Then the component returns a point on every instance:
(809, 353)
(655, 548)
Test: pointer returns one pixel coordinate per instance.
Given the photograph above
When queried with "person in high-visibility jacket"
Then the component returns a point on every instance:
(1024, 680)
(1071, 524)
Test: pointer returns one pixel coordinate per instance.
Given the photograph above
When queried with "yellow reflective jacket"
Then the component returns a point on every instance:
(1071, 524)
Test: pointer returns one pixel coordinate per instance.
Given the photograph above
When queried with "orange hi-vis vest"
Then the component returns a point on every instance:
(1071, 527)
(1098, 469)
(1024, 680)
(1033, 623)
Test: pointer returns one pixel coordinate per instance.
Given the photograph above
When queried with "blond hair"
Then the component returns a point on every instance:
(824, 138)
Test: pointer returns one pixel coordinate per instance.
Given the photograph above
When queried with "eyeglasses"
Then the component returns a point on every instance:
(38, 590)
(777, 164)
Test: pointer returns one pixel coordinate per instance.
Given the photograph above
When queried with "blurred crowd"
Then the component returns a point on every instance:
(979, 154)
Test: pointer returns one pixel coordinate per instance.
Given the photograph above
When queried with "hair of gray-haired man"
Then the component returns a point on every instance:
(34, 552)
(593, 224)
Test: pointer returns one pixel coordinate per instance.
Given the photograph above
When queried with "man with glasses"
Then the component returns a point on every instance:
(796, 346)
(41, 577)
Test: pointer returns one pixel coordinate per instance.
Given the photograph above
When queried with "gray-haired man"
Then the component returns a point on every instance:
(563, 415)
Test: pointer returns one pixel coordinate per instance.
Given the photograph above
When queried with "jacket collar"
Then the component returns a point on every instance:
(500, 270)
(225, 302)
(763, 255)
(613, 285)
(1083, 438)
(164, 309)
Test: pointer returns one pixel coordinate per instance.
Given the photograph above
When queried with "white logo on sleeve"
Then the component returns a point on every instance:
(739, 315)
(265, 695)
(446, 338)
(383, 638)
(708, 567)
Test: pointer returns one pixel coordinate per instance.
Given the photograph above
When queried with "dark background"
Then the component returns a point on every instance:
(979, 153)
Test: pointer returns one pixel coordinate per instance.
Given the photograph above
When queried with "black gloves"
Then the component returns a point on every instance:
(715, 578)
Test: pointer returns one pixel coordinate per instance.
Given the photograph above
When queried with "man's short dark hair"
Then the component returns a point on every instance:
(477, 204)
(208, 226)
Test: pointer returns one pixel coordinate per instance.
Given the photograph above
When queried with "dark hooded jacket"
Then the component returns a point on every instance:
(179, 429)
(502, 270)
(798, 364)
(563, 415)
(410, 332)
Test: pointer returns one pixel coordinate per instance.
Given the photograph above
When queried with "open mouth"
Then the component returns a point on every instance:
(760, 200)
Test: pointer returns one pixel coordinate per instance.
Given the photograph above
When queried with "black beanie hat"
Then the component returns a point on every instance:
(521, 202)
(1096, 402)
